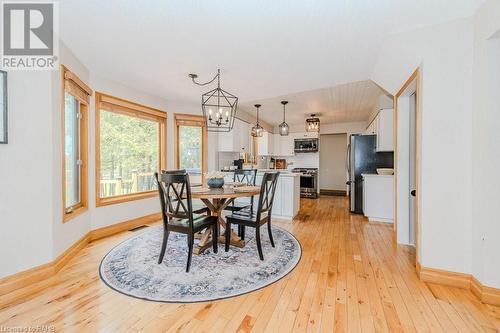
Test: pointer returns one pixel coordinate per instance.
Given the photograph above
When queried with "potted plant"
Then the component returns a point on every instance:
(215, 179)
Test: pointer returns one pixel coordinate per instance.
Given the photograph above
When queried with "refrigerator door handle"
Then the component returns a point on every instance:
(348, 159)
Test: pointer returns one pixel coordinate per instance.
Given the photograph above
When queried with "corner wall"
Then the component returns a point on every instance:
(444, 55)
(486, 143)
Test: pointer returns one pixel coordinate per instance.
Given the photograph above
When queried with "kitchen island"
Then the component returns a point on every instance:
(287, 197)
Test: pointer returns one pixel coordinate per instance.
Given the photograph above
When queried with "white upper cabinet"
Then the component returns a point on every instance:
(385, 130)
(237, 139)
(283, 145)
(383, 127)
(265, 144)
(302, 135)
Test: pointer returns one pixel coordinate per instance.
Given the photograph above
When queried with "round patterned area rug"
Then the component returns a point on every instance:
(132, 267)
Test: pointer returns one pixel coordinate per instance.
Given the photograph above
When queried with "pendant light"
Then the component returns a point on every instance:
(312, 124)
(284, 128)
(218, 106)
(257, 130)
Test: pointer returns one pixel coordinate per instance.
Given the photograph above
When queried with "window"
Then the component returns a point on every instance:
(130, 148)
(191, 145)
(75, 101)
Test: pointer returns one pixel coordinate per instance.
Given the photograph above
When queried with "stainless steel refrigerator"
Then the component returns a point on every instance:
(362, 157)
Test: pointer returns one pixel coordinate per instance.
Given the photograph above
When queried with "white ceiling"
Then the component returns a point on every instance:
(343, 103)
(264, 48)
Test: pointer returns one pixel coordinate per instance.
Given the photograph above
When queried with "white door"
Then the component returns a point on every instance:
(413, 178)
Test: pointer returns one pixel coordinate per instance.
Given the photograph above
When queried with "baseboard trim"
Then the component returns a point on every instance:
(485, 294)
(339, 193)
(453, 279)
(37, 278)
(126, 225)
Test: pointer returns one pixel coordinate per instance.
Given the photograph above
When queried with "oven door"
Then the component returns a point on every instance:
(308, 185)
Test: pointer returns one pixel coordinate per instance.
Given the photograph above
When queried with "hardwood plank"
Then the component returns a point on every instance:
(350, 278)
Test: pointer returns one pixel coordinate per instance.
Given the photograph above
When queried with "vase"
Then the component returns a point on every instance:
(215, 182)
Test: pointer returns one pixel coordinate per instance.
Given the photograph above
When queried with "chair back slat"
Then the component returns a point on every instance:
(175, 196)
(247, 176)
(267, 191)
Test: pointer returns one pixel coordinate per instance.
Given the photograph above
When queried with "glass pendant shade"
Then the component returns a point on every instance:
(312, 124)
(283, 127)
(257, 130)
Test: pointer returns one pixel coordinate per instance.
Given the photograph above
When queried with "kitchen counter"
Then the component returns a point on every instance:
(376, 175)
(283, 172)
(378, 197)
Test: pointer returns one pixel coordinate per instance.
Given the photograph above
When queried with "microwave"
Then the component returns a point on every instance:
(307, 145)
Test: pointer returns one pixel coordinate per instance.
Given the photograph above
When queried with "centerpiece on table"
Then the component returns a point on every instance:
(215, 179)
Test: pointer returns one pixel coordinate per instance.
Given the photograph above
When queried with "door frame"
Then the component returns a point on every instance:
(414, 77)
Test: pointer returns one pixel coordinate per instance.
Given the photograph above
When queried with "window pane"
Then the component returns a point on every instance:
(72, 150)
(129, 149)
(190, 151)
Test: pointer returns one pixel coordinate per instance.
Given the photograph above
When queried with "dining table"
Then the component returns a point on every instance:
(216, 200)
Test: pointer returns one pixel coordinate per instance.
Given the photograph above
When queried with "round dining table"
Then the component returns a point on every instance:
(217, 199)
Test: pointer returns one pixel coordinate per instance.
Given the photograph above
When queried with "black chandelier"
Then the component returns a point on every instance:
(284, 128)
(312, 124)
(257, 130)
(218, 106)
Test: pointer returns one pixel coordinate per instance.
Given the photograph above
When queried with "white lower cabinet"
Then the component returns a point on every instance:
(378, 197)
(286, 198)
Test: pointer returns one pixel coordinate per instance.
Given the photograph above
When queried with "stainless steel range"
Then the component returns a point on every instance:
(308, 182)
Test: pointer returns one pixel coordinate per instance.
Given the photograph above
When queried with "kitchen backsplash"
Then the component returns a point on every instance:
(302, 160)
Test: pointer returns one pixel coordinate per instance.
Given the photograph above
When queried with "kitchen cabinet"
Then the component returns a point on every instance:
(383, 127)
(385, 130)
(265, 144)
(283, 145)
(286, 198)
(237, 140)
(302, 135)
(378, 197)
(372, 128)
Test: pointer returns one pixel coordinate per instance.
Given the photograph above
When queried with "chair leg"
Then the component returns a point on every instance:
(239, 230)
(228, 235)
(257, 238)
(242, 232)
(215, 237)
(163, 246)
(190, 251)
(270, 233)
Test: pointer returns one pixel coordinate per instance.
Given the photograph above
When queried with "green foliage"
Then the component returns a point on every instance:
(128, 145)
(190, 148)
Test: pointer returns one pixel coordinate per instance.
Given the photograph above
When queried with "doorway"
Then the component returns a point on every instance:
(412, 168)
(333, 164)
(407, 167)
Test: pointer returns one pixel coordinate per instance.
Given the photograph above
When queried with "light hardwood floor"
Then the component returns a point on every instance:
(350, 278)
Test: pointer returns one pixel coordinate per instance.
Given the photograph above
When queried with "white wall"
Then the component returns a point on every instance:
(486, 143)
(26, 203)
(444, 54)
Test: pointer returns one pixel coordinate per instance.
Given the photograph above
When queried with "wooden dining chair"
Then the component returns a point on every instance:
(177, 212)
(198, 208)
(248, 177)
(262, 216)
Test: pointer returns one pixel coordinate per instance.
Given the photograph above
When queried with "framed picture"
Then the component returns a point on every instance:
(3, 107)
